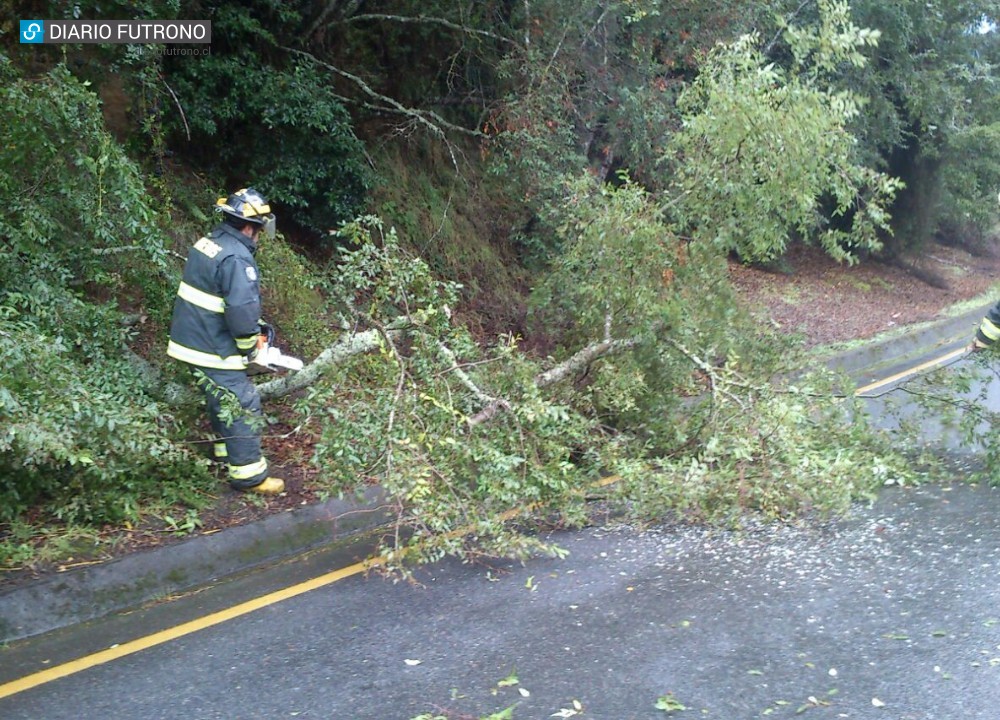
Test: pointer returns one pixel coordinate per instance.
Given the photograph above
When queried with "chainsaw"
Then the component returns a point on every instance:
(268, 358)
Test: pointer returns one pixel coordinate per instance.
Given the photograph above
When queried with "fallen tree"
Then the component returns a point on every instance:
(670, 391)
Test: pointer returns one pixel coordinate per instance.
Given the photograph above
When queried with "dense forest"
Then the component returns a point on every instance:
(504, 229)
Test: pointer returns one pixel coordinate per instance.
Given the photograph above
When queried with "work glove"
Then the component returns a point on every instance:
(976, 345)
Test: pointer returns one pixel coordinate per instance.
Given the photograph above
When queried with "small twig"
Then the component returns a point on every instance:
(527, 23)
(427, 20)
(187, 128)
(555, 53)
(464, 365)
(777, 35)
(400, 384)
(593, 29)
(444, 219)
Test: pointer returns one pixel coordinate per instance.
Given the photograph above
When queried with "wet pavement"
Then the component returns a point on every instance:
(891, 613)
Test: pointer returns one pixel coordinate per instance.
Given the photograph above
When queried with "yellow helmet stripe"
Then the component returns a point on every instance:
(256, 209)
(249, 209)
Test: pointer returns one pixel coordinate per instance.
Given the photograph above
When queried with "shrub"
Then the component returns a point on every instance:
(270, 122)
(81, 438)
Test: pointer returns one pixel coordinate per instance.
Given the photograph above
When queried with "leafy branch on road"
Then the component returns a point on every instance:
(650, 386)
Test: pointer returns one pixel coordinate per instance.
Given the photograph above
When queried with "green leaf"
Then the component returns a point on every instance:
(669, 704)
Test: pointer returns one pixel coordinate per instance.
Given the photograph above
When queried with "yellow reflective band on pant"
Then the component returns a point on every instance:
(220, 450)
(212, 303)
(202, 359)
(245, 472)
(989, 329)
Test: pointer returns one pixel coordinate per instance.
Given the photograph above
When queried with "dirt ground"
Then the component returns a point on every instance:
(827, 302)
(812, 296)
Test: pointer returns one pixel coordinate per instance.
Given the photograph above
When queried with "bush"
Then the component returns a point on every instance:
(73, 202)
(270, 122)
(293, 299)
(81, 439)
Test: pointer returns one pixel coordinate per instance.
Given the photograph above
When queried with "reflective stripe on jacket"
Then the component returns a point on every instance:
(217, 309)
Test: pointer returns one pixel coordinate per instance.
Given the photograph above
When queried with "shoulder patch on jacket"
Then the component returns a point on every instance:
(208, 247)
(251, 274)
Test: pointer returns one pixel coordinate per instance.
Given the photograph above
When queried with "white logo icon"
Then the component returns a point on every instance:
(31, 31)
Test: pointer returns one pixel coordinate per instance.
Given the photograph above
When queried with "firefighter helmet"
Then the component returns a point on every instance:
(248, 206)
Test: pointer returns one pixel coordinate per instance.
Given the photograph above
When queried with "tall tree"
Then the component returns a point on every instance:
(931, 114)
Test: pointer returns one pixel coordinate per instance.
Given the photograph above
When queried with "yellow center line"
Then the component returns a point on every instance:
(118, 651)
(911, 371)
(143, 643)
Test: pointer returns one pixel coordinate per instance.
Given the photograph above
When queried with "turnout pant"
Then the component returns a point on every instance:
(235, 413)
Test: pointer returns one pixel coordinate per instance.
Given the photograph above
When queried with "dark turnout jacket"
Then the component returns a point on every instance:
(217, 311)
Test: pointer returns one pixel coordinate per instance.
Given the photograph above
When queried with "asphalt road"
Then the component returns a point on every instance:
(892, 613)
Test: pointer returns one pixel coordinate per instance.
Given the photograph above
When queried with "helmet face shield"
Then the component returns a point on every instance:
(269, 227)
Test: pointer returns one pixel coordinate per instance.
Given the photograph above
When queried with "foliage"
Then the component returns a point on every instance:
(585, 85)
(263, 120)
(969, 180)
(79, 438)
(620, 267)
(458, 435)
(74, 203)
(82, 439)
(702, 430)
(931, 103)
(751, 153)
(763, 148)
(403, 415)
(669, 704)
(956, 405)
(648, 367)
(779, 451)
(597, 82)
(293, 297)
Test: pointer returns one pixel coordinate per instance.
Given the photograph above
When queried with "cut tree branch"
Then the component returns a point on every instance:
(781, 30)
(187, 128)
(481, 395)
(400, 384)
(527, 23)
(560, 372)
(346, 347)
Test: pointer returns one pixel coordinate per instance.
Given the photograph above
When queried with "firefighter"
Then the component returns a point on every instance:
(989, 330)
(216, 323)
